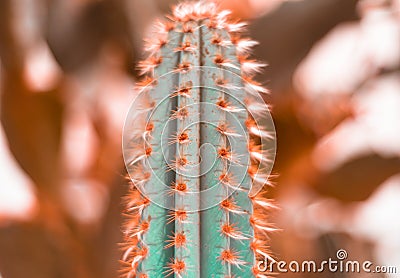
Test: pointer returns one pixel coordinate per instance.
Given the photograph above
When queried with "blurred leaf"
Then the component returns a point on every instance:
(110, 230)
(357, 179)
(297, 138)
(32, 124)
(27, 250)
(239, 8)
(322, 115)
(77, 42)
(11, 54)
(287, 35)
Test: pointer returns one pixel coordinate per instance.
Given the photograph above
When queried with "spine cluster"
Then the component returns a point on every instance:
(195, 156)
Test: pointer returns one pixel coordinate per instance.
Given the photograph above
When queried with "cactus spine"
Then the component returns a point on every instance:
(190, 211)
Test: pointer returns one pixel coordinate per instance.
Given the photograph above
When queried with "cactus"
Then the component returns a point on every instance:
(192, 149)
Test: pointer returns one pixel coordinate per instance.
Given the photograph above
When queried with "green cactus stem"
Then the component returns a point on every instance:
(191, 154)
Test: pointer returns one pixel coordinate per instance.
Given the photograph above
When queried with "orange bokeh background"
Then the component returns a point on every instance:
(67, 79)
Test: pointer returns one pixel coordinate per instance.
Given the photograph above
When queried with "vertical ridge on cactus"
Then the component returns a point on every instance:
(193, 154)
(189, 82)
(213, 244)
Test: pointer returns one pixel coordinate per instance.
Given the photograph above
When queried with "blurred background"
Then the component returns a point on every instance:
(67, 78)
